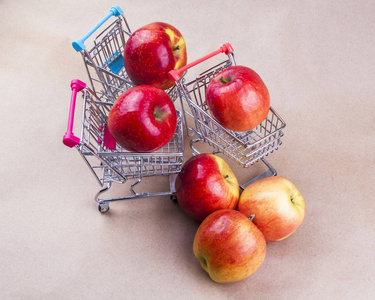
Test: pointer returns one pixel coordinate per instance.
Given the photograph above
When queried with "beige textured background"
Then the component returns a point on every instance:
(317, 58)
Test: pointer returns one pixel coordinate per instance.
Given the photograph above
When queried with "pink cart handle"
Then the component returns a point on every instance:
(174, 75)
(69, 138)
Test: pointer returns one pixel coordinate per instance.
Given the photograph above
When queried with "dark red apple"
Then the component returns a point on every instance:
(205, 184)
(143, 119)
(151, 52)
(238, 98)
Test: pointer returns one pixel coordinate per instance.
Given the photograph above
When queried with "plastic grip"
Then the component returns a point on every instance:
(79, 44)
(174, 75)
(69, 138)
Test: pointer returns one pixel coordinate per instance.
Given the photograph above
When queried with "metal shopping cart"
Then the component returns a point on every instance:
(246, 148)
(107, 160)
(104, 61)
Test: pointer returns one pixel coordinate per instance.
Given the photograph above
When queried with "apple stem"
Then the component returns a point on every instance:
(251, 218)
(225, 80)
(222, 79)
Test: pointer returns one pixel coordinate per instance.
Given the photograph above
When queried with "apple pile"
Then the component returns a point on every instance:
(143, 118)
(230, 243)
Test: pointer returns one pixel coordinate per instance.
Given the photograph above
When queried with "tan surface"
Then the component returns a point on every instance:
(317, 58)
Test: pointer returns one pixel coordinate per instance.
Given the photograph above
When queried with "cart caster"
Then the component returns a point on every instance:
(173, 198)
(103, 207)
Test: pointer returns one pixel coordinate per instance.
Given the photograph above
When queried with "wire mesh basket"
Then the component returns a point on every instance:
(104, 60)
(246, 148)
(108, 161)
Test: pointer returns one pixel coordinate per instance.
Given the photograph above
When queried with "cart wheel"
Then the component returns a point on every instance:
(103, 207)
(173, 198)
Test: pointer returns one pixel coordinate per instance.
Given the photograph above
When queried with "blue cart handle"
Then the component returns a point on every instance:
(79, 45)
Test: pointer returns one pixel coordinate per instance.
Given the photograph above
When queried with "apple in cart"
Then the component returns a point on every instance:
(238, 98)
(152, 51)
(205, 184)
(277, 205)
(229, 246)
(143, 119)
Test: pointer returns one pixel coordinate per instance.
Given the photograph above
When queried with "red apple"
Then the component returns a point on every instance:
(205, 184)
(278, 207)
(238, 98)
(143, 119)
(152, 51)
(229, 246)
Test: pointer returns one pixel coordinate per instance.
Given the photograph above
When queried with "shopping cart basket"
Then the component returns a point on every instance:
(104, 61)
(246, 148)
(107, 160)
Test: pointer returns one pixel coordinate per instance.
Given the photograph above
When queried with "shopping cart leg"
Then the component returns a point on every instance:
(103, 205)
(195, 151)
(172, 184)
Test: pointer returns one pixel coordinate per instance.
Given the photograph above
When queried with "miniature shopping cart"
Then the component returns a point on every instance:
(104, 61)
(108, 161)
(246, 148)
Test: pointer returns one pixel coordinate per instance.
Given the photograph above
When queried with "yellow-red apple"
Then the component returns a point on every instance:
(205, 184)
(238, 98)
(143, 119)
(152, 51)
(229, 246)
(277, 205)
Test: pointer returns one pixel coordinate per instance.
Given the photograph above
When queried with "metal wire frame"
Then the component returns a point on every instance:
(118, 165)
(104, 61)
(245, 148)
